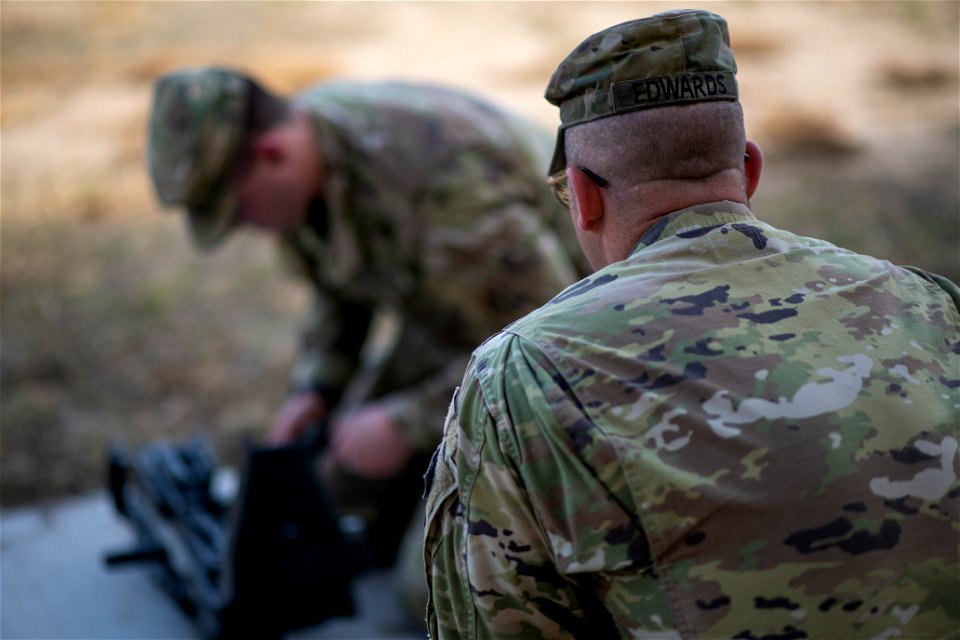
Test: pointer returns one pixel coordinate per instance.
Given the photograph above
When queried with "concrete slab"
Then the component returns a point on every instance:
(53, 584)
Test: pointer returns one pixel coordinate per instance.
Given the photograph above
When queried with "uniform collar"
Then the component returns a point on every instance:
(696, 217)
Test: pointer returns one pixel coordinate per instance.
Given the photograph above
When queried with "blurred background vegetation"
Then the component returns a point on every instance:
(113, 328)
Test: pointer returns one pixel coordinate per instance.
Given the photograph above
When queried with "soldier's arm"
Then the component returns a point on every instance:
(509, 544)
(327, 357)
(330, 345)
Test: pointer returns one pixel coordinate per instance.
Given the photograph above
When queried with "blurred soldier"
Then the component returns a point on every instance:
(727, 430)
(419, 203)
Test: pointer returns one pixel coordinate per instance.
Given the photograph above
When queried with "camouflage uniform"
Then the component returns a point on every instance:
(755, 435)
(734, 432)
(435, 213)
(435, 209)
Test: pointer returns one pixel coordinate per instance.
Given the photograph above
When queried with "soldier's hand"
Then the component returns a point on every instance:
(367, 443)
(296, 414)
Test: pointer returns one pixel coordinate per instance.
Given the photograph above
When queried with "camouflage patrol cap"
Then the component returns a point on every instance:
(671, 58)
(197, 130)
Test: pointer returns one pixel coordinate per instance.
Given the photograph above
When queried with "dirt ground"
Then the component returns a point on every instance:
(113, 328)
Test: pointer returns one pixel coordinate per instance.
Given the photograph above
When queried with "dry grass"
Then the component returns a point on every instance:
(112, 327)
(929, 75)
(105, 340)
(807, 133)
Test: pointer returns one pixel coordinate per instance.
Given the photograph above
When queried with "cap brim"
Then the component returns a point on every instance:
(559, 161)
(211, 221)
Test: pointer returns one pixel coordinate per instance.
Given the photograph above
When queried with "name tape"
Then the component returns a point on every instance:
(675, 89)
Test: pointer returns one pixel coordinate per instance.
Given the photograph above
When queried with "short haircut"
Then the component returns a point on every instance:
(684, 142)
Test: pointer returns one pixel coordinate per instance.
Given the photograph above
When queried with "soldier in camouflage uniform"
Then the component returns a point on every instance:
(419, 202)
(728, 430)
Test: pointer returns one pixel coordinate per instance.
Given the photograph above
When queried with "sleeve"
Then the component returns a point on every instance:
(334, 332)
(330, 346)
(523, 539)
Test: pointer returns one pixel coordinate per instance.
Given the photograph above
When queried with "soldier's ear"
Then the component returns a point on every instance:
(268, 147)
(587, 201)
(752, 166)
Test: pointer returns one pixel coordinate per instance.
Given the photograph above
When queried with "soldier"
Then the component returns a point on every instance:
(727, 430)
(417, 203)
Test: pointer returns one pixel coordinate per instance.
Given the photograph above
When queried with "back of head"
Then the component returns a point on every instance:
(199, 125)
(691, 142)
(650, 99)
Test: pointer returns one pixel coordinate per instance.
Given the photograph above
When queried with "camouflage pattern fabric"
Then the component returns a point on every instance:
(734, 433)
(195, 135)
(435, 208)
